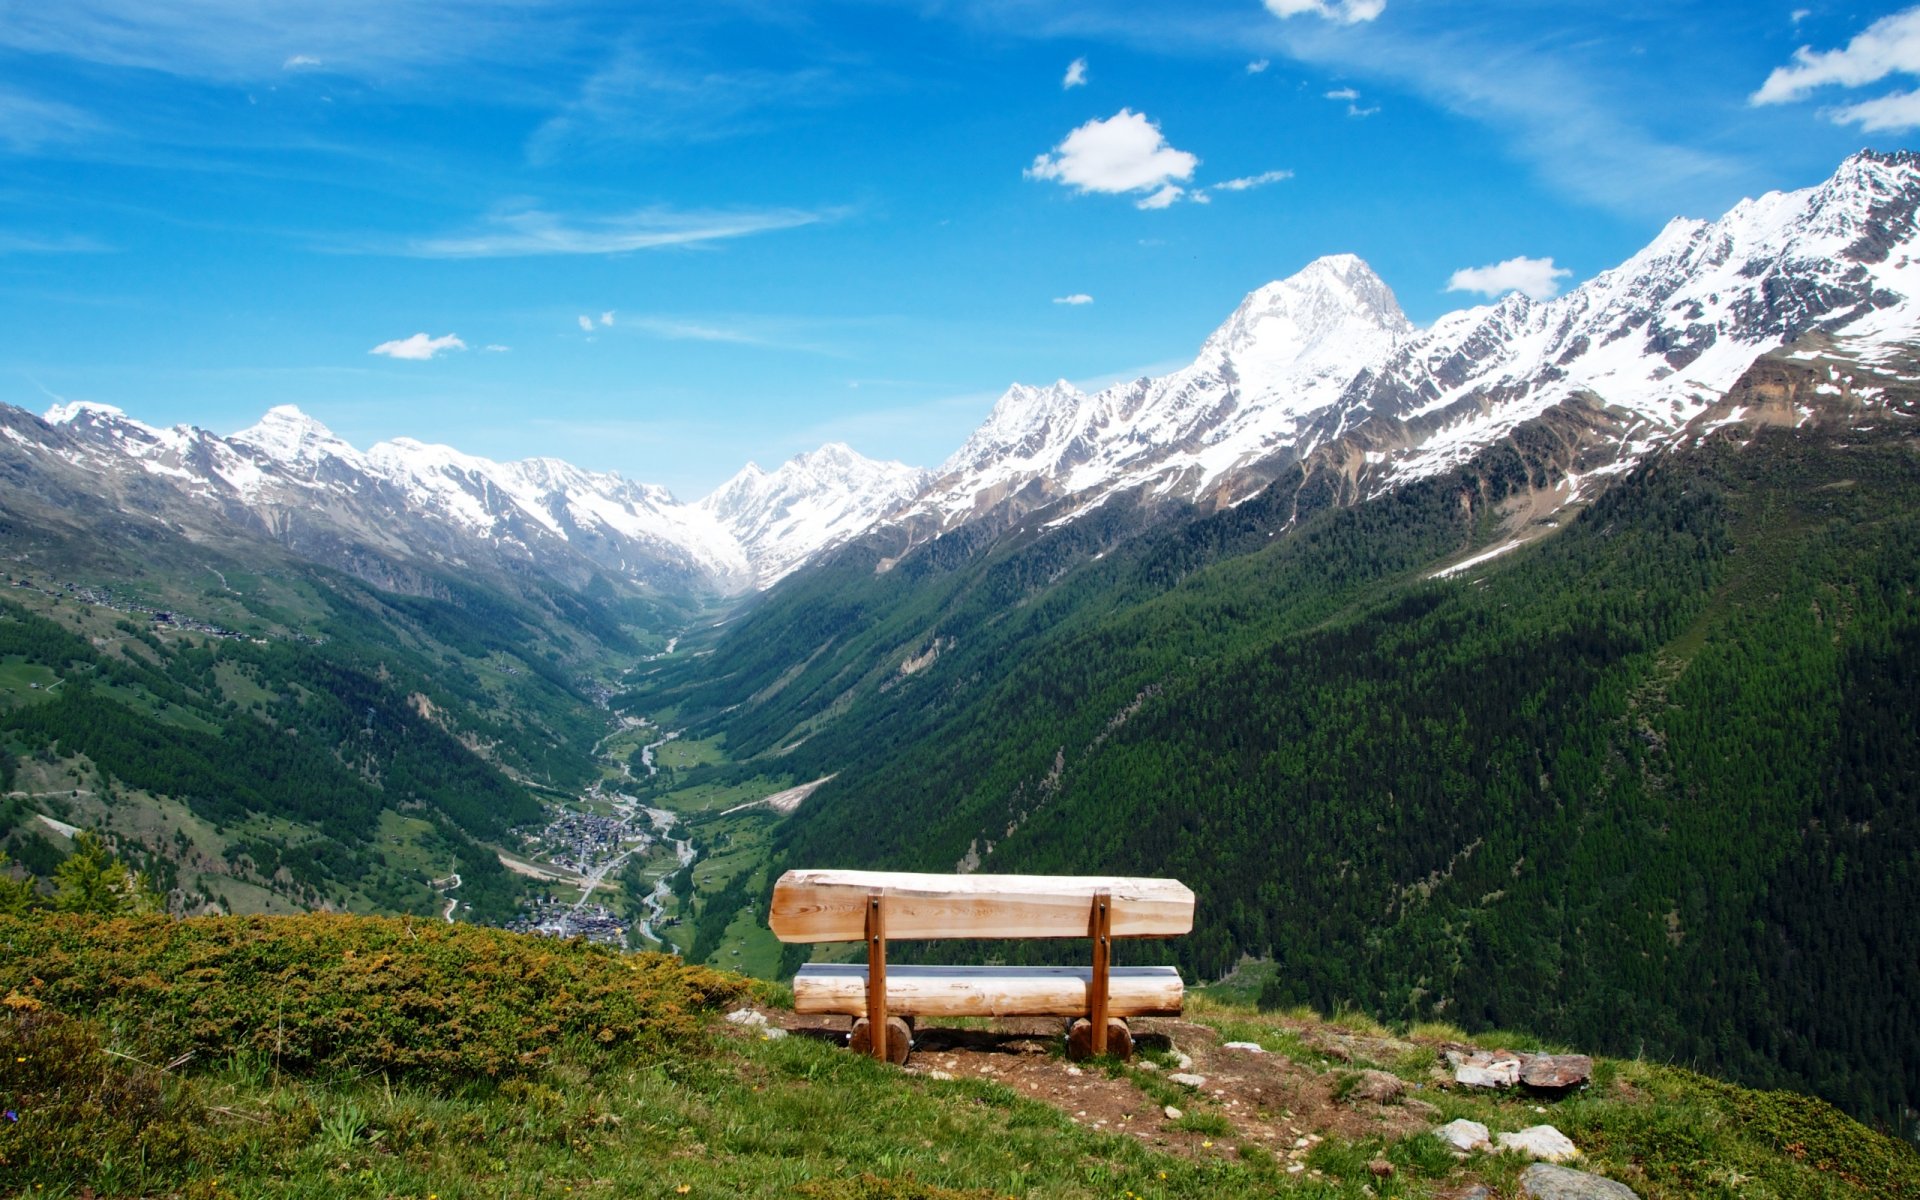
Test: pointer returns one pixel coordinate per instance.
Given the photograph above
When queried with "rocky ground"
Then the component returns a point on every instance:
(1191, 1089)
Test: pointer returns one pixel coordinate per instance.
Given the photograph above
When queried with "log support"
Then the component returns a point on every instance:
(877, 1024)
(1097, 986)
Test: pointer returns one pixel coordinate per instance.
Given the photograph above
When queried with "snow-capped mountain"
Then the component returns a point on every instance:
(1319, 375)
(291, 478)
(785, 518)
(1659, 338)
(1322, 368)
(1286, 353)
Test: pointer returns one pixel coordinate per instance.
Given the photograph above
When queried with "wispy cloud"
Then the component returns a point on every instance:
(1077, 299)
(639, 95)
(28, 123)
(241, 40)
(1346, 12)
(1123, 153)
(1345, 93)
(529, 232)
(1889, 46)
(419, 347)
(1258, 65)
(1249, 182)
(585, 322)
(1537, 278)
(27, 243)
(737, 333)
(496, 348)
(1076, 74)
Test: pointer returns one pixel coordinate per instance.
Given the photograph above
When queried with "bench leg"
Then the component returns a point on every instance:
(1080, 1039)
(899, 1039)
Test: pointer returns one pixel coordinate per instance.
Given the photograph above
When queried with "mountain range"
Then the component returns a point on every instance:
(1321, 369)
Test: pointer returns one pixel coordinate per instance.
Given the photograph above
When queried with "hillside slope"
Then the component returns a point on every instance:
(1649, 782)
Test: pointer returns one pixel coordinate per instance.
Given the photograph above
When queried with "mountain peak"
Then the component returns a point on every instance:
(1333, 312)
(286, 434)
(67, 412)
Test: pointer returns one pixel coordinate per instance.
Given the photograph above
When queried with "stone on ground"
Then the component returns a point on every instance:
(1464, 1135)
(746, 1016)
(1543, 1142)
(1249, 1047)
(1542, 1181)
(1555, 1072)
(1192, 1081)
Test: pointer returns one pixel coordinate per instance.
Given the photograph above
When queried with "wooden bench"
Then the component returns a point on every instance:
(875, 906)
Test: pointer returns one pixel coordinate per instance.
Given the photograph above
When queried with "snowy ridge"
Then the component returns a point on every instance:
(289, 471)
(1284, 354)
(814, 502)
(1326, 356)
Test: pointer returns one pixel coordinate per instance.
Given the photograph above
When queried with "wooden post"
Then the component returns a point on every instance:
(877, 973)
(1102, 961)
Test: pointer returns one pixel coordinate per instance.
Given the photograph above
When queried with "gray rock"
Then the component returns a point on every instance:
(1543, 1181)
(747, 1017)
(1249, 1047)
(1484, 1068)
(1464, 1135)
(1173, 1114)
(1555, 1072)
(1541, 1141)
(1192, 1081)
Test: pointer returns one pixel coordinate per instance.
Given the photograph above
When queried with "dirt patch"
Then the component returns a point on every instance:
(1247, 1098)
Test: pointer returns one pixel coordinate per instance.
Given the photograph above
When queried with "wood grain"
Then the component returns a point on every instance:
(988, 991)
(831, 906)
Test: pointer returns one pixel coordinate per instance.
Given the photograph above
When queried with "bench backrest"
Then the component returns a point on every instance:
(831, 906)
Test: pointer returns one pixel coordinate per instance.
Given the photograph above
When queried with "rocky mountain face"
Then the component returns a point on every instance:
(371, 513)
(1322, 369)
(815, 501)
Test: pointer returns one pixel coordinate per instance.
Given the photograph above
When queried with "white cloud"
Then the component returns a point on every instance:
(586, 323)
(1800, 14)
(1077, 299)
(1889, 46)
(1347, 12)
(1248, 182)
(1258, 65)
(1896, 111)
(300, 62)
(497, 348)
(1345, 93)
(1076, 74)
(528, 232)
(1538, 278)
(1124, 153)
(606, 318)
(1165, 197)
(419, 347)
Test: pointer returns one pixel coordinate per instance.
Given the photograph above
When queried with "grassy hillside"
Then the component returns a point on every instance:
(1649, 783)
(346, 1057)
(260, 734)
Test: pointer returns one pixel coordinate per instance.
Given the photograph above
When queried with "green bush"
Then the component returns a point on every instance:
(357, 994)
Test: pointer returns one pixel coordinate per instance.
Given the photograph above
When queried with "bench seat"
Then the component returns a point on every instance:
(917, 991)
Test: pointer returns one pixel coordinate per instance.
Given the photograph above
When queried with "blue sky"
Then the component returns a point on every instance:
(672, 237)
